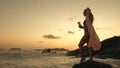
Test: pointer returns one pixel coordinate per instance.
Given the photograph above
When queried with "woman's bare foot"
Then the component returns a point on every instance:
(90, 60)
(82, 60)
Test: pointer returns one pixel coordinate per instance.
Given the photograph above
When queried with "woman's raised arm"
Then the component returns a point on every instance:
(80, 26)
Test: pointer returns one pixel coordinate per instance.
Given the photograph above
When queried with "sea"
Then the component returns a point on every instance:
(36, 59)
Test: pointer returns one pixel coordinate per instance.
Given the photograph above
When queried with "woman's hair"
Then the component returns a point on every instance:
(91, 17)
(90, 14)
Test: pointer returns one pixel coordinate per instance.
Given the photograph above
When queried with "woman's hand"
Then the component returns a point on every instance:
(80, 26)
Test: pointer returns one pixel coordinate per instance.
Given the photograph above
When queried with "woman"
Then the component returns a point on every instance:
(85, 39)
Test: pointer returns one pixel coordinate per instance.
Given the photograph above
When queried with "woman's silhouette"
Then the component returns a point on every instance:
(85, 39)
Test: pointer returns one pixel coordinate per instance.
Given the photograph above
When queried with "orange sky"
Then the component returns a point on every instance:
(31, 24)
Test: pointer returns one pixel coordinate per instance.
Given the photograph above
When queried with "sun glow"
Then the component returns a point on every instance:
(25, 23)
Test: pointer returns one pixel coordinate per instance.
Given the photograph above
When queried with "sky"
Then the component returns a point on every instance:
(38, 24)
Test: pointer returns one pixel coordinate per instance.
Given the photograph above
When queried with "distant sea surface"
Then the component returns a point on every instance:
(29, 59)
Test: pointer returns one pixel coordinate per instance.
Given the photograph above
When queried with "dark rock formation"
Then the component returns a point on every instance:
(54, 50)
(92, 64)
(77, 52)
(18, 49)
(110, 49)
(37, 50)
(59, 49)
(46, 51)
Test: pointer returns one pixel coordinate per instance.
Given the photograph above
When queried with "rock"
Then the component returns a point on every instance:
(46, 51)
(77, 52)
(92, 64)
(15, 49)
(110, 49)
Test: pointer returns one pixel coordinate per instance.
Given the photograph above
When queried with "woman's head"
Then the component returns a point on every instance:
(88, 11)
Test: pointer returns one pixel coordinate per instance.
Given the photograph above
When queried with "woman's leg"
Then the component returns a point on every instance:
(82, 42)
(90, 49)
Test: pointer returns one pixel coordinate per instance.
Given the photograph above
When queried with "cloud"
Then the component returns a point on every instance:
(71, 32)
(50, 36)
(40, 41)
(72, 18)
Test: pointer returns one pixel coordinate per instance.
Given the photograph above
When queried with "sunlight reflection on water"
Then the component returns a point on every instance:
(48, 61)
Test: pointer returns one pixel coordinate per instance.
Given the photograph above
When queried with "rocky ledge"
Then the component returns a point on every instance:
(92, 64)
